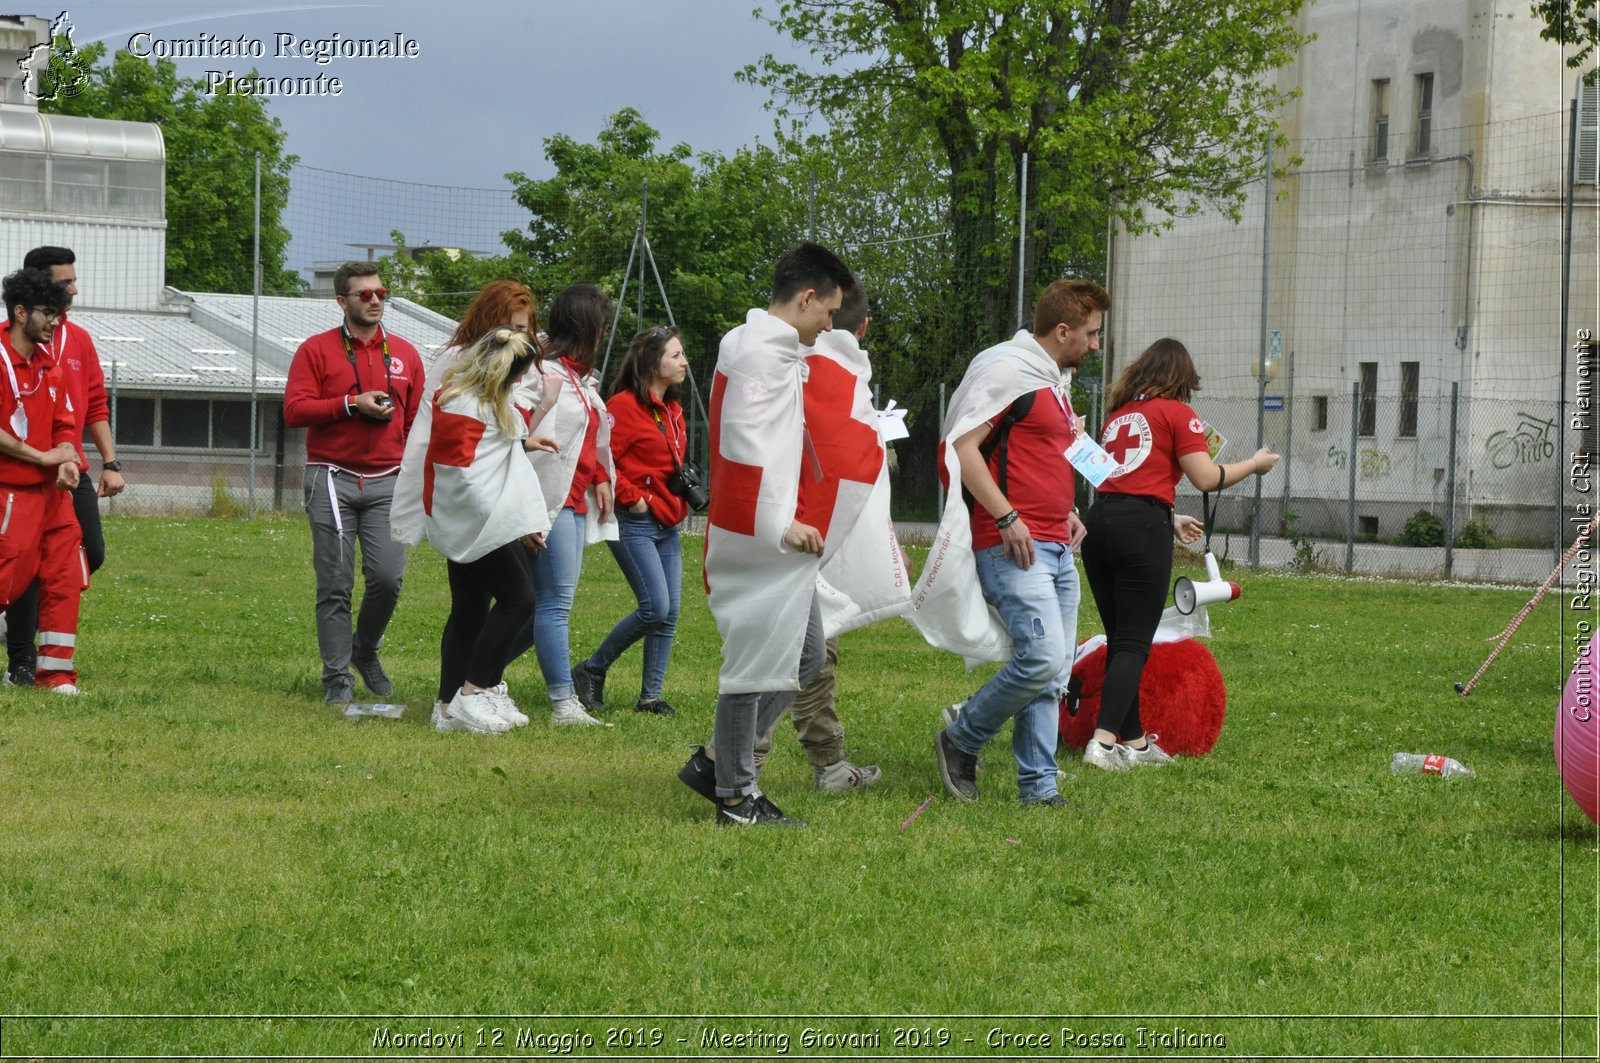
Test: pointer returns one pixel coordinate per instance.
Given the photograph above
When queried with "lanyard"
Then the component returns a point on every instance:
(577, 389)
(673, 446)
(350, 353)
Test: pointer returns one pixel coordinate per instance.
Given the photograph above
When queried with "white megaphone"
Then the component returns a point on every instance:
(1187, 595)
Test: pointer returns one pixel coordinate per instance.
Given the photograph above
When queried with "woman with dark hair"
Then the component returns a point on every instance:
(481, 508)
(648, 444)
(1156, 440)
(575, 479)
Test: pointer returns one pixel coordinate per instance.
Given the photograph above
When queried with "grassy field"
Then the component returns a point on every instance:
(201, 838)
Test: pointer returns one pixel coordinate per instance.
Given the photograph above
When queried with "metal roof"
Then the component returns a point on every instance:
(64, 134)
(202, 344)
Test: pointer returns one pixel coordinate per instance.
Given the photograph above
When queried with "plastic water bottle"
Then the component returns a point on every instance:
(1430, 764)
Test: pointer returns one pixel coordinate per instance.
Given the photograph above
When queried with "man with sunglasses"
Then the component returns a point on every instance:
(39, 534)
(355, 390)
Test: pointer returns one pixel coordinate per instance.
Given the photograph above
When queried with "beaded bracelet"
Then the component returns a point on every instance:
(1008, 520)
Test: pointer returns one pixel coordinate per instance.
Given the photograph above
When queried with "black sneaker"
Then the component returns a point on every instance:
(19, 676)
(958, 768)
(339, 692)
(756, 810)
(1053, 801)
(699, 773)
(589, 686)
(656, 706)
(372, 674)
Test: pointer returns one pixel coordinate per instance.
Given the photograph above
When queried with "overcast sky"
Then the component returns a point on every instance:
(491, 80)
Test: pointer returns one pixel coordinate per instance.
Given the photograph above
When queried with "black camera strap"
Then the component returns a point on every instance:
(677, 462)
(350, 353)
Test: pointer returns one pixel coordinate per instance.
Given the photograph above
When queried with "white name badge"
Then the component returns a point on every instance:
(1090, 459)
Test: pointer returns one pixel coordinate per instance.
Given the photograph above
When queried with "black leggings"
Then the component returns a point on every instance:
(477, 639)
(1127, 558)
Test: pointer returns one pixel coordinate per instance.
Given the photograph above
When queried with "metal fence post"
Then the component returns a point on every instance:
(1450, 488)
(1350, 503)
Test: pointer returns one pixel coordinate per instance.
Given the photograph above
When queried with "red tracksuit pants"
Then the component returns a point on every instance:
(40, 538)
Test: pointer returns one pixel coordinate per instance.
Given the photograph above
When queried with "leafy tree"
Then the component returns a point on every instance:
(1138, 108)
(1573, 23)
(715, 225)
(211, 141)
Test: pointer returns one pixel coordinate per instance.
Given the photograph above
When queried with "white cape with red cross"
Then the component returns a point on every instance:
(947, 604)
(464, 484)
(864, 575)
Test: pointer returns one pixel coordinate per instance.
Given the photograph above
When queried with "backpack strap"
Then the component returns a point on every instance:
(999, 441)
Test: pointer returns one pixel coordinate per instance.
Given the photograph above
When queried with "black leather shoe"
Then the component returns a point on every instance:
(656, 706)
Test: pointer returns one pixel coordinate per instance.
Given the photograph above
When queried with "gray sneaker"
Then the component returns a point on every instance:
(958, 768)
(372, 674)
(1151, 755)
(570, 711)
(339, 691)
(842, 776)
(1098, 756)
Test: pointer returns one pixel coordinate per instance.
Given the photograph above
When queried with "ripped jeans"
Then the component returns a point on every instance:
(1040, 608)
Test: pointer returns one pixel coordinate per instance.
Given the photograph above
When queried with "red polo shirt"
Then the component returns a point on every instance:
(1038, 476)
(321, 378)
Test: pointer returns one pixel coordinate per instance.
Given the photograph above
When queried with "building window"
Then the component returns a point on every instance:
(1367, 418)
(197, 424)
(1409, 375)
(1319, 413)
(1380, 119)
(1424, 114)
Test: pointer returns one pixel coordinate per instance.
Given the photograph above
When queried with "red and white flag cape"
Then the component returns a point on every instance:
(947, 604)
(760, 589)
(566, 423)
(864, 576)
(464, 485)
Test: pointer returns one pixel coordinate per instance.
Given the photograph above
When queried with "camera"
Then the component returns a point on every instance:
(383, 400)
(685, 483)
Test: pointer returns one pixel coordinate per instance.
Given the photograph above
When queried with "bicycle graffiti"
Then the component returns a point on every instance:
(1530, 444)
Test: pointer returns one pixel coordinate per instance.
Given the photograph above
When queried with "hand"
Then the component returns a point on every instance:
(67, 475)
(111, 483)
(1018, 543)
(602, 497)
(1075, 529)
(552, 391)
(640, 506)
(1264, 460)
(1187, 529)
(60, 454)
(803, 537)
(367, 405)
(544, 443)
(533, 543)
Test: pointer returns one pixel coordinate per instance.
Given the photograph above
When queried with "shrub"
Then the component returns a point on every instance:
(1476, 536)
(1423, 529)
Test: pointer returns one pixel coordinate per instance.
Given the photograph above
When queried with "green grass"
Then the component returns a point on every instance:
(203, 837)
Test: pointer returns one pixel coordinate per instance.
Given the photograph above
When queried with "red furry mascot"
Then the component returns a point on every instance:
(1181, 697)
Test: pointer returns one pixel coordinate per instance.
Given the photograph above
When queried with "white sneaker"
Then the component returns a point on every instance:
(1151, 755)
(469, 712)
(65, 688)
(506, 707)
(1098, 756)
(570, 710)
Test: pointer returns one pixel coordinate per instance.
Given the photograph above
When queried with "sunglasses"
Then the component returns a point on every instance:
(366, 295)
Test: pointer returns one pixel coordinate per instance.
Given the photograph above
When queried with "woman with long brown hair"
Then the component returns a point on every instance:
(1156, 440)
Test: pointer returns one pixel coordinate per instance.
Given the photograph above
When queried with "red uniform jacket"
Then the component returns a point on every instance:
(322, 377)
(84, 378)
(44, 399)
(644, 457)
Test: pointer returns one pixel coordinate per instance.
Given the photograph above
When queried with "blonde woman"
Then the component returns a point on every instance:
(483, 512)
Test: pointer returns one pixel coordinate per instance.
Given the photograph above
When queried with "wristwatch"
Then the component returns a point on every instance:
(111, 466)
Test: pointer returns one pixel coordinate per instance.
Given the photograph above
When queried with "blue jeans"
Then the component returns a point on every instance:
(555, 584)
(1040, 608)
(650, 555)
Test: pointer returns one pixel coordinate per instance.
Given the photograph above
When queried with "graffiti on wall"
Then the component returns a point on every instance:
(1531, 443)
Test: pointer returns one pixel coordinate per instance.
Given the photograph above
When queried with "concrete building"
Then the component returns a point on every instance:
(1415, 245)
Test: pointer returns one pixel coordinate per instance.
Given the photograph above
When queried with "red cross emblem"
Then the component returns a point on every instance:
(1127, 439)
(453, 442)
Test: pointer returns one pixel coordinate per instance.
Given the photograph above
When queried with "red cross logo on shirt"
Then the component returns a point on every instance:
(1127, 439)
